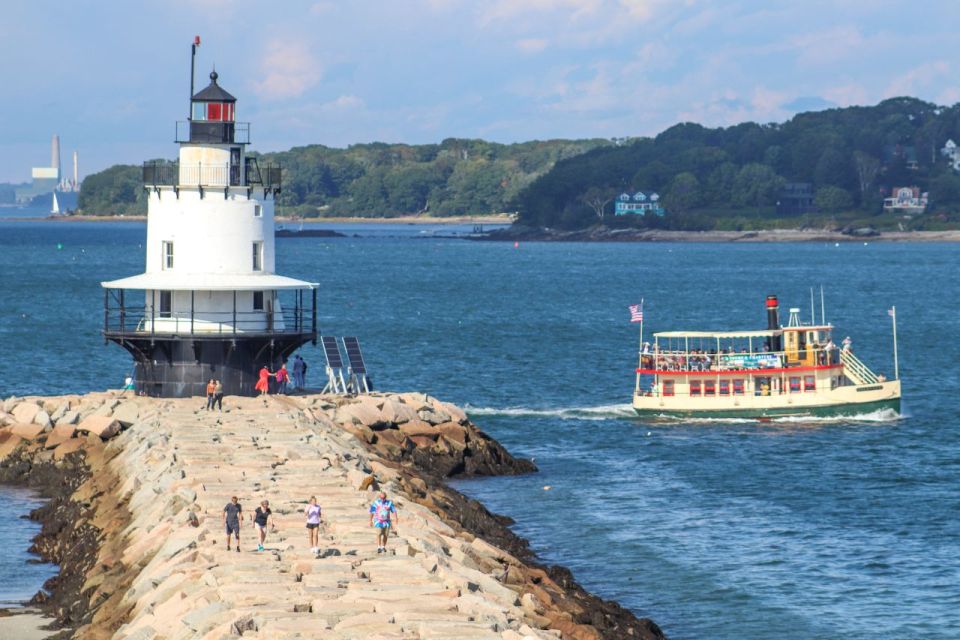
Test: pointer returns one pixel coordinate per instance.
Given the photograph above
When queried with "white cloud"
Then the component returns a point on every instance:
(344, 103)
(288, 70)
(531, 45)
(847, 94)
(829, 46)
(916, 80)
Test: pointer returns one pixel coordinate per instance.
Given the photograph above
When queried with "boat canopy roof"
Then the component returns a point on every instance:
(718, 334)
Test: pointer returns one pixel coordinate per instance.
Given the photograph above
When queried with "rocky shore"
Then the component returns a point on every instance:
(599, 233)
(136, 488)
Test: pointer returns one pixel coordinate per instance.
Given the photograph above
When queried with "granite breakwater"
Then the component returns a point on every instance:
(136, 487)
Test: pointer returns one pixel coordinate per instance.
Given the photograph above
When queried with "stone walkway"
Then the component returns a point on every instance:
(178, 459)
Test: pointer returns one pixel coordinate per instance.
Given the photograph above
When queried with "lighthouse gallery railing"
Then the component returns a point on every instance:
(161, 173)
(121, 320)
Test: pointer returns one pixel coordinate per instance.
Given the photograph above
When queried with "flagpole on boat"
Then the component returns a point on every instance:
(896, 361)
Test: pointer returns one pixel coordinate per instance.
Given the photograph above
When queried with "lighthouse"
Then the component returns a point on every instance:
(209, 303)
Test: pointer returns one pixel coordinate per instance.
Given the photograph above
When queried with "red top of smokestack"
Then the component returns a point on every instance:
(772, 302)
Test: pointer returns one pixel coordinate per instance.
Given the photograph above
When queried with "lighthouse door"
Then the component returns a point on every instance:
(234, 166)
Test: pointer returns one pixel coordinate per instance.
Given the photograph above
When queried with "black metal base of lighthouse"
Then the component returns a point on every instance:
(172, 367)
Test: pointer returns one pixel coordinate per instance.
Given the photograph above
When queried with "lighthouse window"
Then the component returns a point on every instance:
(258, 300)
(166, 304)
(214, 111)
(257, 211)
(167, 254)
(258, 256)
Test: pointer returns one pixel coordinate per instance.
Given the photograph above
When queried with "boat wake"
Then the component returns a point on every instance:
(625, 411)
(880, 415)
(604, 412)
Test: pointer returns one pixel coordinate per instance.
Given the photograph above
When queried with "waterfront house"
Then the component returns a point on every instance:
(952, 153)
(906, 200)
(639, 204)
(796, 198)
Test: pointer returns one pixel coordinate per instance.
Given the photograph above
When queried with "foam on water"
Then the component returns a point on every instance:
(621, 411)
(603, 412)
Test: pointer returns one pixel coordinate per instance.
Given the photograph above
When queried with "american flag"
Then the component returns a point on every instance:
(636, 312)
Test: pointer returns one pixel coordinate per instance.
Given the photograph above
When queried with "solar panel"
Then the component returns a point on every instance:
(332, 352)
(354, 356)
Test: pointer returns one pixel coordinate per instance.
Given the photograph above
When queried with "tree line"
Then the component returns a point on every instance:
(455, 177)
(733, 177)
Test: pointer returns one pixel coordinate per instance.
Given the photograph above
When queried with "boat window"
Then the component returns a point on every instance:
(725, 388)
(737, 387)
(809, 383)
(694, 387)
(668, 387)
(794, 384)
(710, 388)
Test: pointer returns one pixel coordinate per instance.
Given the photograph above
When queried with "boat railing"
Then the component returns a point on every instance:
(681, 360)
(854, 369)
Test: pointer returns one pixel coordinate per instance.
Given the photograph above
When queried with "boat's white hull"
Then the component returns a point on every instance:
(844, 400)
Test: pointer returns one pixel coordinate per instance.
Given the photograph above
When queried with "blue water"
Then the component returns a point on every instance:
(723, 530)
(20, 575)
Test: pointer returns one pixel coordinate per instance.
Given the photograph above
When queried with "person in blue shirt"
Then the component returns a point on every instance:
(380, 517)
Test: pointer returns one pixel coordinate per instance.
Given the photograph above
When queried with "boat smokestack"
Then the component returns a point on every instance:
(773, 313)
(773, 321)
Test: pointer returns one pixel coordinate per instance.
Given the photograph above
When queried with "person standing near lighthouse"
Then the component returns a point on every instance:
(263, 384)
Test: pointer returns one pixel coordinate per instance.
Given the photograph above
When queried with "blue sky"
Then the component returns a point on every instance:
(112, 77)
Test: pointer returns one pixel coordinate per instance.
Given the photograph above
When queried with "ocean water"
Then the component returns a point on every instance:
(21, 574)
(796, 528)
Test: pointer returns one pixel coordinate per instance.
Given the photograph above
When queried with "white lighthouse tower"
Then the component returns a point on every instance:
(211, 304)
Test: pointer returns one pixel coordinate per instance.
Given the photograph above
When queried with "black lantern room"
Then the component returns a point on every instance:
(212, 113)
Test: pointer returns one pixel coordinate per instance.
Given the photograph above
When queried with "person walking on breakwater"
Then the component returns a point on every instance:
(263, 384)
(297, 369)
(261, 520)
(210, 391)
(232, 517)
(283, 377)
(380, 513)
(218, 394)
(313, 524)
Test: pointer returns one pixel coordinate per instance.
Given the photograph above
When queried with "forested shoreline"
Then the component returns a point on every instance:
(730, 178)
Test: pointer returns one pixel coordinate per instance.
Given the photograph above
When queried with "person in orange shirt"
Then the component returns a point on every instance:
(211, 389)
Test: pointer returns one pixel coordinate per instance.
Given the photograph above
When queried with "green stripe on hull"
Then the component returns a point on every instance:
(832, 410)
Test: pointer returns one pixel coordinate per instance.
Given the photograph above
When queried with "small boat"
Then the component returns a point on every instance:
(796, 370)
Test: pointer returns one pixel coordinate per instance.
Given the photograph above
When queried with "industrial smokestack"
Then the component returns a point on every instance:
(76, 172)
(55, 154)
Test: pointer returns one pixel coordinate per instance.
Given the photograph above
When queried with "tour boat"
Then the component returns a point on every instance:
(796, 370)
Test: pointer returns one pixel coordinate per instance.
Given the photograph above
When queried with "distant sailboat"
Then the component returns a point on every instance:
(64, 202)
